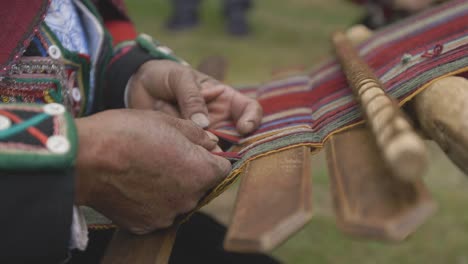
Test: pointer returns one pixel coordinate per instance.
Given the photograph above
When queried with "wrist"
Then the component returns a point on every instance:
(84, 161)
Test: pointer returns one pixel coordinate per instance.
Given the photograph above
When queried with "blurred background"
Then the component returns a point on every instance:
(294, 35)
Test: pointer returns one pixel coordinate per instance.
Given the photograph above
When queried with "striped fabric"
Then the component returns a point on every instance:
(306, 109)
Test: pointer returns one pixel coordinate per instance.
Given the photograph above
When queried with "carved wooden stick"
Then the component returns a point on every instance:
(402, 149)
(441, 110)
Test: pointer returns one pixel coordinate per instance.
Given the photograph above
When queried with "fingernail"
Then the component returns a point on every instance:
(200, 119)
(248, 126)
(212, 136)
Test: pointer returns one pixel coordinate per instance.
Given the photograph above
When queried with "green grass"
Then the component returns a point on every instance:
(284, 35)
(296, 32)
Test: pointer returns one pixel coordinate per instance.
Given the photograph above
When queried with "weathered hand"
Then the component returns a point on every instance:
(184, 92)
(143, 168)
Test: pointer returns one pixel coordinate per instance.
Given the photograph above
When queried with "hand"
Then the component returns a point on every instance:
(141, 169)
(184, 92)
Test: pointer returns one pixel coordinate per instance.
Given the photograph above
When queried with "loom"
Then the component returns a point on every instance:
(369, 109)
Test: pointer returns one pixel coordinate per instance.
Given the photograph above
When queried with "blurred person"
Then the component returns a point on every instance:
(380, 13)
(185, 15)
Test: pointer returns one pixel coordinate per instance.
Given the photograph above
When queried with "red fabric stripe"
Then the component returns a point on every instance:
(121, 30)
(19, 19)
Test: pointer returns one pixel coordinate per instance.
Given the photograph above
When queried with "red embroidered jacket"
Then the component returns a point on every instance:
(36, 178)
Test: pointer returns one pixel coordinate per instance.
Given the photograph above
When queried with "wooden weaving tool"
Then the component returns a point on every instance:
(273, 201)
(402, 149)
(372, 197)
(154, 248)
(440, 110)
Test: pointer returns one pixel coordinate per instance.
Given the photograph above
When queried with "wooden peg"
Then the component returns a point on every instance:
(369, 201)
(273, 202)
(154, 248)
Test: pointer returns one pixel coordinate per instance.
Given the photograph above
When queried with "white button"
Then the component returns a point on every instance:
(54, 109)
(164, 49)
(54, 52)
(58, 144)
(5, 122)
(76, 94)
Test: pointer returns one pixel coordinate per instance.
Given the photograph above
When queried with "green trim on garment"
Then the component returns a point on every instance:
(83, 63)
(154, 48)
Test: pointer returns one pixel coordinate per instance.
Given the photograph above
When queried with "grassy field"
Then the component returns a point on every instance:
(295, 32)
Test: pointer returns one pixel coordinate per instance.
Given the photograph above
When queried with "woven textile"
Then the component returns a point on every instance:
(306, 109)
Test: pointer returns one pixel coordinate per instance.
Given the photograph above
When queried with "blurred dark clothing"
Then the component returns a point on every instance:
(185, 15)
(379, 13)
(200, 240)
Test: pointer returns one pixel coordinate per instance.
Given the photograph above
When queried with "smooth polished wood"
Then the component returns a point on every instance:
(369, 201)
(154, 248)
(273, 202)
(442, 113)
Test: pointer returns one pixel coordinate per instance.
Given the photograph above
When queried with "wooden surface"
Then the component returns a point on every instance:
(442, 113)
(401, 148)
(154, 248)
(273, 202)
(369, 201)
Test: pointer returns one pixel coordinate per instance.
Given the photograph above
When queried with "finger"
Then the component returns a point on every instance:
(167, 108)
(246, 112)
(194, 133)
(213, 169)
(191, 103)
(138, 98)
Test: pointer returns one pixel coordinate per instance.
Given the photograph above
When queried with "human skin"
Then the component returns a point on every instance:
(144, 167)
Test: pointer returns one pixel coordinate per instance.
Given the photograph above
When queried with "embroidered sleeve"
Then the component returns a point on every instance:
(38, 145)
(34, 137)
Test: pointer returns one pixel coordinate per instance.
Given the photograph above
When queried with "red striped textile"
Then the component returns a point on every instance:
(314, 105)
(306, 109)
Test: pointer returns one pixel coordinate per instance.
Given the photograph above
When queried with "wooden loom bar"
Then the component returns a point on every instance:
(442, 113)
(273, 202)
(369, 201)
(402, 149)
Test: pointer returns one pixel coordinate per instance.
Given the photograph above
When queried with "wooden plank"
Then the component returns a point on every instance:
(370, 201)
(154, 248)
(274, 201)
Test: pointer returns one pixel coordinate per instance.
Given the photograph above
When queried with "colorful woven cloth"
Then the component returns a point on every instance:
(307, 109)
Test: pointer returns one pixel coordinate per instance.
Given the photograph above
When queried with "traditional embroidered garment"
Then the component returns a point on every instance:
(40, 66)
(63, 19)
(307, 109)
